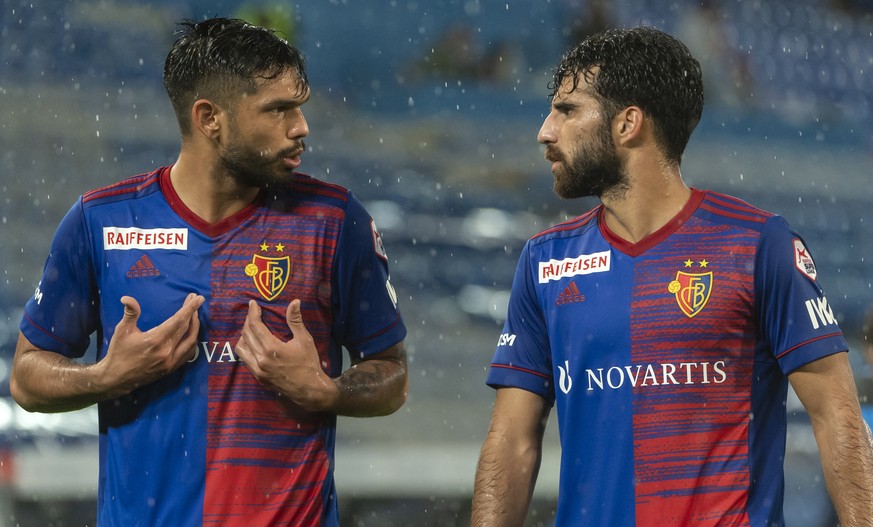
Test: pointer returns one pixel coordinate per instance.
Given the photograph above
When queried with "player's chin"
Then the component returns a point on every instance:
(286, 169)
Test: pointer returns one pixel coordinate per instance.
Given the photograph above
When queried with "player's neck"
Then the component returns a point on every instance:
(209, 197)
(646, 206)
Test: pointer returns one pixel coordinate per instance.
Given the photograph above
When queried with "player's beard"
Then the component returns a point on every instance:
(594, 169)
(250, 167)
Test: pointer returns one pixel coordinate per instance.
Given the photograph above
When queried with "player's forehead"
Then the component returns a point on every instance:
(578, 88)
(286, 86)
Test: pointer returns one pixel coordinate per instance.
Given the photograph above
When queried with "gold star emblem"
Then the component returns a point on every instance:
(264, 246)
(703, 263)
(280, 247)
(688, 263)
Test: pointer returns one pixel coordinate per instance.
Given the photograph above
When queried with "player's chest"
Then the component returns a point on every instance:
(611, 290)
(263, 260)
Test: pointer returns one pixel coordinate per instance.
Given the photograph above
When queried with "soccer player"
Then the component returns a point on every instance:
(665, 324)
(222, 290)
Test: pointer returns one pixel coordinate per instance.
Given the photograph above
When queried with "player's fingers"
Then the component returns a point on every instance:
(294, 318)
(248, 340)
(254, 327)
(131, 313)
(244, 353)
(190, 306)
(189, 340)
(242, 347)
(176, 327)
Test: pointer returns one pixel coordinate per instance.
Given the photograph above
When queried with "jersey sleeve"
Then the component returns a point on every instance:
(63, 312)
(523, 357)
(368, 319)
(797, 322)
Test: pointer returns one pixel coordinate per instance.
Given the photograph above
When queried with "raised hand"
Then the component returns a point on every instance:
(136, 358)
(292, 368)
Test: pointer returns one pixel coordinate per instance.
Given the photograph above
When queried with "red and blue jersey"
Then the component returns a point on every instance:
(667, 360)
(209, 445)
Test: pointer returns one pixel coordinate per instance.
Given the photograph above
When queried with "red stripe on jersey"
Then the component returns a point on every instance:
(732, 207)
(323, 188)
(510, 367)
(789, 350)
(49, 333)
(131, 184)
(736, 216)
(268, 461)
(692, 409)
(573, 223)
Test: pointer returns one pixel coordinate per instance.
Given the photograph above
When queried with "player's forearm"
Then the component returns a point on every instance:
(43, 381)
(846, 451)
(372, 388)
(504, 483)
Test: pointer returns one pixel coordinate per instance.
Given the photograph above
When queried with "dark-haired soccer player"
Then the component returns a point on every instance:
(665, 324)
(221, 290)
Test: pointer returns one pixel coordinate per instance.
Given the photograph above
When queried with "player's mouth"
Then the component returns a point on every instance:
(292, 159)
(553, 157)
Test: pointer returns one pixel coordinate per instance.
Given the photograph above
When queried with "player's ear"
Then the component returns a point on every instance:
(629, 124)
(207, 117)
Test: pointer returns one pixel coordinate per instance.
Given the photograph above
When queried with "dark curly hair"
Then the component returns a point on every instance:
(642, 67)
(220, 59)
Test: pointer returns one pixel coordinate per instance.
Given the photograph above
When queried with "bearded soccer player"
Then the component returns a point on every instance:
(665, 324)
(222, 290)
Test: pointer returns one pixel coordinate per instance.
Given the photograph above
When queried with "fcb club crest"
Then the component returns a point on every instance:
(270, 273)
(692, 290)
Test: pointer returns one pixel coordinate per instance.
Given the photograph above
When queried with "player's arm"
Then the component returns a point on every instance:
(44, 381)
(510, 459)
(374, 385)
(827, 390)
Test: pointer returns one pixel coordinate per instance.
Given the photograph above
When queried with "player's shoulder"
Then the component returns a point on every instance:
(303, 188)
(308, 184)
(129, 188)
(723, 208)
(572, 227)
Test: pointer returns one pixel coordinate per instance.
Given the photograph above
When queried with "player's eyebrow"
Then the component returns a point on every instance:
(563, 106)
(286, 102)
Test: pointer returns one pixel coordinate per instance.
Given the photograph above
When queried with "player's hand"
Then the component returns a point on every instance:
(291, 368)
(136, 358)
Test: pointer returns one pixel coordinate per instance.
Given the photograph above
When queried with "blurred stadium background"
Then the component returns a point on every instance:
(428, 110)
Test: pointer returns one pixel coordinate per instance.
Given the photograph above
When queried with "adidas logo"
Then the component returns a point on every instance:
(143, 267)
(570, 295)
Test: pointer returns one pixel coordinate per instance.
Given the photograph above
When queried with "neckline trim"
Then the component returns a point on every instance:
(195, 221)
(636, 249)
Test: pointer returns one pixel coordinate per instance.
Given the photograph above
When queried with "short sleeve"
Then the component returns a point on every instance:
(368, 318)
(796, 319)
(523, 356)
(63, 312)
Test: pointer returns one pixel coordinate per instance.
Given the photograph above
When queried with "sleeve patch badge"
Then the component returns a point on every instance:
(803, 261)
(377, 242)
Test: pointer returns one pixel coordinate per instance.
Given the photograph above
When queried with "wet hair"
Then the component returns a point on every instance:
(642, 67)
(220, 59)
